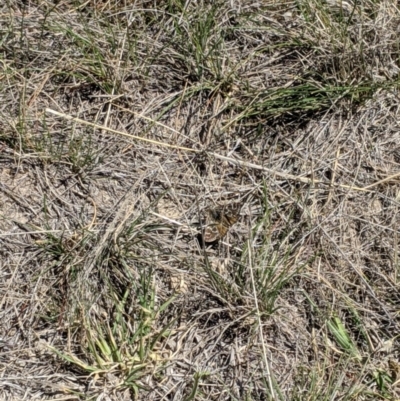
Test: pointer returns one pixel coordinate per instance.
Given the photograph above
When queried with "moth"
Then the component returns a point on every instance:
(219, 221)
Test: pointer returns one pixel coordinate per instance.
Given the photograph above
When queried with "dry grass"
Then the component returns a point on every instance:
(122, 123)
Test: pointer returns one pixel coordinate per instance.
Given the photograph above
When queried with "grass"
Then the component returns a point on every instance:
(122, 123)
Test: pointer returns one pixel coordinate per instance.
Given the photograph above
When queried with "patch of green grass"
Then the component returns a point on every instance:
(121, 340)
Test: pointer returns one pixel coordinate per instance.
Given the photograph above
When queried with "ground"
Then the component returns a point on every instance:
(128, 129)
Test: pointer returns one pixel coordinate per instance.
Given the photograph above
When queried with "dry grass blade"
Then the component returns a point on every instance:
(221, 157)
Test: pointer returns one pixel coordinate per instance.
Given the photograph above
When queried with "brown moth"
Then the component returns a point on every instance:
(219, 221)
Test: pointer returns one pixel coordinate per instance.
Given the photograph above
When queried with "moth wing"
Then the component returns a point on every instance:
(211, 233)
